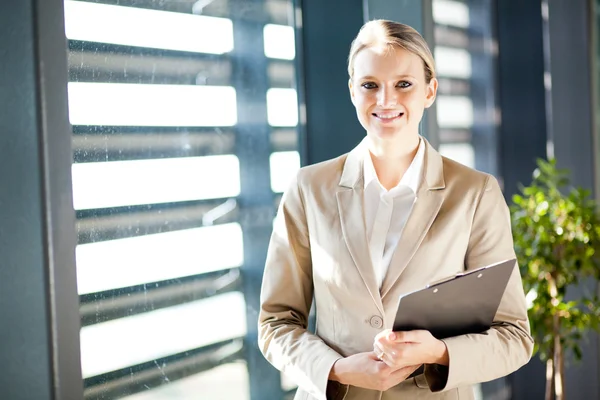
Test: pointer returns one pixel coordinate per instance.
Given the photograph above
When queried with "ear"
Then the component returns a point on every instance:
(431, 92)
(351, 89)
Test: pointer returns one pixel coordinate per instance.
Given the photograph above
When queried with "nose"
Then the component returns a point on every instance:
(386, 97)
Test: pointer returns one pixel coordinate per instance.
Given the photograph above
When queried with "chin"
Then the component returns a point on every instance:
(392, 135)
(389, 133)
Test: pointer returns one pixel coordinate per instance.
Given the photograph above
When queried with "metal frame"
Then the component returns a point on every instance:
(60, 237)
(484, 138)
(253, 147)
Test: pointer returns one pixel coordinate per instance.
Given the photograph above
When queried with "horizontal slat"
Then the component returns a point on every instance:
(97, 62)
(120, 303)
(284, 139)
(126, 342)
(451, 37)
(148, 145)
(274, 11)
(151, 105)
(455, 135)
(134, 261)
(453, 87)
(281, 74)
(123, 183)
(212, 8)
(205, 367)
(119, 223)
(104, 23)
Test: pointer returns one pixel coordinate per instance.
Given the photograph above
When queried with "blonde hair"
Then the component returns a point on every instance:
(392, 34)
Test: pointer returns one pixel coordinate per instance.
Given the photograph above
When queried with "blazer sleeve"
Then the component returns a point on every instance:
(286, 298)
(508, 345)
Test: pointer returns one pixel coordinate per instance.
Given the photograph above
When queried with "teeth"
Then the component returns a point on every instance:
(388, 116)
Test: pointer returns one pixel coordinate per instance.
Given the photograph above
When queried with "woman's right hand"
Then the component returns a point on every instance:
(365, 370)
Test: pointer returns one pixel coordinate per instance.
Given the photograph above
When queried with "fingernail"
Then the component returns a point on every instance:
(392, 336)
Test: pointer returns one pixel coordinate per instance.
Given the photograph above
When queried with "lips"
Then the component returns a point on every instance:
(388, 116)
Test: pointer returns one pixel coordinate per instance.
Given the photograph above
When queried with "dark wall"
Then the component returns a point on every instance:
(39, 330)
(570, 60)
(552, 39)
(328, 29)
(25, 370)
(521, 93)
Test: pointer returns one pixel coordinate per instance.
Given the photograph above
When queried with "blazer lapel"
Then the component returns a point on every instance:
(429, 200)
(350, 201)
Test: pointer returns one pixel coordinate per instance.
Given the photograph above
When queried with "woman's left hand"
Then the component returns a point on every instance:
(401, 349)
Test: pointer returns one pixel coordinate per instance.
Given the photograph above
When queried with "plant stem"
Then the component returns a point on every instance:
(559, 387)
(557, 363)
(549, 379)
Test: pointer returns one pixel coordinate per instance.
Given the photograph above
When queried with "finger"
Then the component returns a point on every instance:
(390, 358)
(378, 351)
(416, 336)
(389, 361)
(381, 350)
(382, 335)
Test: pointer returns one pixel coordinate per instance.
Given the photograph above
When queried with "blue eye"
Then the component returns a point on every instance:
(369, 85)
(404, 84)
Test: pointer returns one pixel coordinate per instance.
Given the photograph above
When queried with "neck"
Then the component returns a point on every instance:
(392, 159)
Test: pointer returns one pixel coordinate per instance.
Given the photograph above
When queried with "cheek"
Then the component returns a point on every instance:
(416, 104)
(361, 104)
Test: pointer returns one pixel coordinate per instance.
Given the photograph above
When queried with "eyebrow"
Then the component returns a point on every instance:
(396, 77)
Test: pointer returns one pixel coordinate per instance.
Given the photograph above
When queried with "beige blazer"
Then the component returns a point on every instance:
(319, 248)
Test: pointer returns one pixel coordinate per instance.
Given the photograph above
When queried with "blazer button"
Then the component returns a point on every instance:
(376, 322)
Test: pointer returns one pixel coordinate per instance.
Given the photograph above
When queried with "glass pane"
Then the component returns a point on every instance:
(151, 105)
(454, 112)
(229, 381)
(185, 118)
(87, 21)
(124, 183)
(461, 152)
(282, 107)
(466, 107)
(279, 42)
(117, 344)
(455, 63)
(137, 260)
(451, 12)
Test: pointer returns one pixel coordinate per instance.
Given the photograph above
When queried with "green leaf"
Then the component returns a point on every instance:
(556, 232)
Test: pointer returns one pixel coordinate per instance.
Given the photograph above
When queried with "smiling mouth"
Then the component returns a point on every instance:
(387, 117)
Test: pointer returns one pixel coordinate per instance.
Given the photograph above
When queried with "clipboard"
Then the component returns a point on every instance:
(460, 304)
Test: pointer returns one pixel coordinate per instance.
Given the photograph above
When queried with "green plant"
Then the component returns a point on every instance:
(557, 242)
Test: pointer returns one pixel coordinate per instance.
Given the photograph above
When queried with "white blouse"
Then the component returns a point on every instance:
(386, 212)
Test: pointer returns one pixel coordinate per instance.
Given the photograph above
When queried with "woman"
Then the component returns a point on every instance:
(387, 218)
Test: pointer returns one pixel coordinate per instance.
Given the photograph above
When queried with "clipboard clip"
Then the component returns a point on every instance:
(446, 279)
(449, 278)
(458, 275)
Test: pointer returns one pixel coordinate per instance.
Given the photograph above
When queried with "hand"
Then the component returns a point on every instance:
(401, 349)
(365, 370)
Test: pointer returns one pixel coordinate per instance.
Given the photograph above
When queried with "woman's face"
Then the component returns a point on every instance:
(389, 92)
